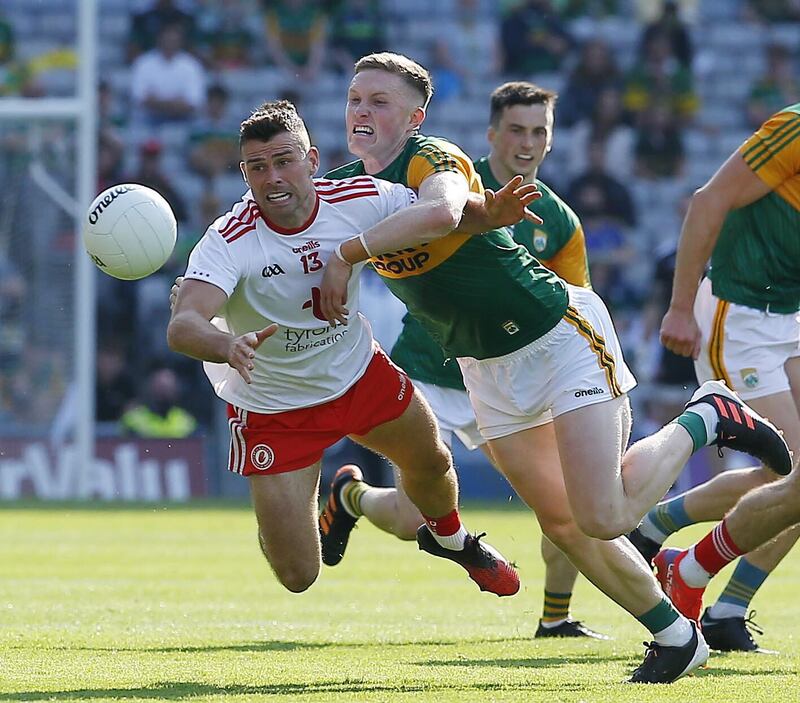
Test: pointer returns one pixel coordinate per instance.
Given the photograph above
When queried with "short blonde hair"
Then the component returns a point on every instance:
(415, 76)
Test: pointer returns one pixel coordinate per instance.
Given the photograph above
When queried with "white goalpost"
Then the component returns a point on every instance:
(81, 110)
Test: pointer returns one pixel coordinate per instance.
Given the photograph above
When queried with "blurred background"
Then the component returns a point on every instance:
(654, 94)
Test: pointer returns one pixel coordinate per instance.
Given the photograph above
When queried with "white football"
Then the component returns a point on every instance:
(129, 231)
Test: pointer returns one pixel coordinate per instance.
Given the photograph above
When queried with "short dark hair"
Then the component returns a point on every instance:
(271, 118)
(519, 93)
(413, 74)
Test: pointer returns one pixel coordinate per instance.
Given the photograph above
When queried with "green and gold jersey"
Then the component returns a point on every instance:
(756, 261)
(559, 244)
(482, 296)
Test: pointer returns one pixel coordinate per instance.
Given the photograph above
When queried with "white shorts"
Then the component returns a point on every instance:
(577, 363)
(454, 414)
(745, 347)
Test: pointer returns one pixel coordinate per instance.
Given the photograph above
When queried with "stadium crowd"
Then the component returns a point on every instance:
(647, 110)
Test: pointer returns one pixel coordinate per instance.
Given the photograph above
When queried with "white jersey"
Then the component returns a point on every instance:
(271, 274)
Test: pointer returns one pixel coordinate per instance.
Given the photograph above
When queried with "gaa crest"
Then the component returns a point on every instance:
(539, 240)
(750, 377)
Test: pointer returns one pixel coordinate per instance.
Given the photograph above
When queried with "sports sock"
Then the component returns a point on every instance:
(700, 421)
(448, 530)
(734, 601)
(351, 496)
(708, 556)
(666, 518)
(556, 609)
(668, 627)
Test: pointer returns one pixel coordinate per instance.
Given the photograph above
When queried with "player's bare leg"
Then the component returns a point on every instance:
(286, 510)
(614, 566)
(412, 443)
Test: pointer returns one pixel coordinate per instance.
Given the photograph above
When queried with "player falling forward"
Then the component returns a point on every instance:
(526, 343)
(293, 385)
(741, 325)
(520, 134)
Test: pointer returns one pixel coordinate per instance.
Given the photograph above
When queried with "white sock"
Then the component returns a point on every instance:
(550, 624)
(710, 419)
(675, 635)
(693, 575)
(727, 610)
(648, 529)
(454, 541)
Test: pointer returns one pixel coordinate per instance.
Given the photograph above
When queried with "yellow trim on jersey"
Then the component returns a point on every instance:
(598, 345)
(773, 154)
(717, 342)
(430, 159)
(570, 262)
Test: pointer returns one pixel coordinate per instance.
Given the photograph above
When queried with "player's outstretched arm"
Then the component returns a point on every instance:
(190, 331)
(504, 208)
(733, 186)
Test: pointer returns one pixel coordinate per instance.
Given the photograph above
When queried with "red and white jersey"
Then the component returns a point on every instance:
(271, 274)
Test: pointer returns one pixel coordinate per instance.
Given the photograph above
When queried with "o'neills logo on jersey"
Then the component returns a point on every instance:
(262, 457)
(589, 391)
(308, 246)
(298, 340)
(94, 215)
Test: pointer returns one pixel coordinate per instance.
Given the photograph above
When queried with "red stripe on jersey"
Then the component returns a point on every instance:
(345, 188)
(250, 224)
(241, 233)
(350, 196)
(326, 182)
(245, 217)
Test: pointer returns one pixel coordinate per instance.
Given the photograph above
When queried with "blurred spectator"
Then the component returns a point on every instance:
(606, 124)
(775, 89)
(659, 76)
(534, 39)
(474, 46)
(6, 41)
(116, 389)
(659, 151)
(769, 11)
(356, 29)
(13, 289)
(296, 34)
(158, 414)
(151, 174)
(648, 11)
(110, 160)
(109, 115)
(575, 9)
(37, 385)
(16, 77)
(595, 71)
(671, 26)
(213, 139)
(167, 83)
(225, 37)
(147, 25)
(447, 74)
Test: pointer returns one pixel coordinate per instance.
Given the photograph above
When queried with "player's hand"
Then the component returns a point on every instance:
(509, 204)
(333, 291)
(680, 333)
(173, 292)
(242, 350)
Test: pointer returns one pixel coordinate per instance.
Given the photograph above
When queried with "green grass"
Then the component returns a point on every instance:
(178, 605)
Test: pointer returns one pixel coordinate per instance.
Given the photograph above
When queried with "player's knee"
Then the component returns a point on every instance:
(564, 536)
(297, 577)
(605, 525)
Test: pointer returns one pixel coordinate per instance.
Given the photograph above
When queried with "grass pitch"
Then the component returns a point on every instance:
(177, 604)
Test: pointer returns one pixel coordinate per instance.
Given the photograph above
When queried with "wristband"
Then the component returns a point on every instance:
(364, 244)
(338, 252)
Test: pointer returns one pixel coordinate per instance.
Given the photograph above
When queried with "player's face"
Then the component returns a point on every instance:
(522, 138)
(382, 111)
(280, 172)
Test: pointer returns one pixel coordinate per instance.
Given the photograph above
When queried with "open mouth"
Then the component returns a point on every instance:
(278, 197)
(363, 129)
(524, 157)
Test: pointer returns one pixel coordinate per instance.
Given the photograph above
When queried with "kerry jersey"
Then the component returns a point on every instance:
(756, 261)
(559, 244)
(272, 274)
(482, 296)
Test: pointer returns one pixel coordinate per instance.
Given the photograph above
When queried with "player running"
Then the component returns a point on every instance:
(293, 385)
(740, 323)
(526, 343)
(520, 134)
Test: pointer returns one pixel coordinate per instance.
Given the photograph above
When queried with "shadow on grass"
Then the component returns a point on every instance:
(530, 662)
